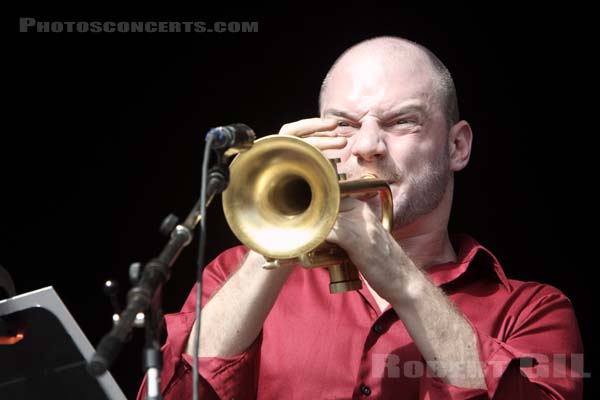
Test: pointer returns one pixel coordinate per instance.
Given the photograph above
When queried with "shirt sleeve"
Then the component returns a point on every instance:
(220, 378)
(541, 359)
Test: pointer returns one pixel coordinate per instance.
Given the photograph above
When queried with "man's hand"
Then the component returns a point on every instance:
(371, 248)
(316, 131)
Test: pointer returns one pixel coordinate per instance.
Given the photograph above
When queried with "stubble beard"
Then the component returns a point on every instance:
(423, 192)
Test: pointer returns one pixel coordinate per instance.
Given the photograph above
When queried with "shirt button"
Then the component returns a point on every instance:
(365, 390)
(378, 328)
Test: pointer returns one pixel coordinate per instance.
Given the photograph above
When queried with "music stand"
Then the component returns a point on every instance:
(50, 359)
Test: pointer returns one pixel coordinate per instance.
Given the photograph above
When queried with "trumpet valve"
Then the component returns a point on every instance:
(343, 277)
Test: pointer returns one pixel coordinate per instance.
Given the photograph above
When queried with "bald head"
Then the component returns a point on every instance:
(390, 52)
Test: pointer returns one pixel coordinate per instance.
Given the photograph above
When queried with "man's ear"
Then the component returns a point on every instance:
(460, 138)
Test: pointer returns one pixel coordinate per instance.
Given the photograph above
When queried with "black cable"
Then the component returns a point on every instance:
(200, 262)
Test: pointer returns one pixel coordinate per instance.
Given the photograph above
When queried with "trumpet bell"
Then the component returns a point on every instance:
(283, 197)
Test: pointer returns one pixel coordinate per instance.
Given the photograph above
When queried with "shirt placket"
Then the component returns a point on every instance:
(368, 380)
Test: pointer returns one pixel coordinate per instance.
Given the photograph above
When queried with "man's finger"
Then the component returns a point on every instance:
(308, 126)
(327, 143)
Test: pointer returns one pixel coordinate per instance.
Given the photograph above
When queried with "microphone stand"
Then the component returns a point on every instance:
(145, 296)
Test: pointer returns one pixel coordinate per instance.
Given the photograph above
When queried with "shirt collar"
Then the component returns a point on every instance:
(467, 249)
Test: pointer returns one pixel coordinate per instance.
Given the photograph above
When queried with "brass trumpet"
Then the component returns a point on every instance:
(283, 199)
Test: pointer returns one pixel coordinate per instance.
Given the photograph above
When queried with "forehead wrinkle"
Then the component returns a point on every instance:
(361, 98)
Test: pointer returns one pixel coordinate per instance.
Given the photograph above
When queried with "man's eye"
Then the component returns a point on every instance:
(343, 123)
(402, 121)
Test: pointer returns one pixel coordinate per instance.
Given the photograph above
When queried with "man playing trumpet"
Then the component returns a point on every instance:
(436, 316)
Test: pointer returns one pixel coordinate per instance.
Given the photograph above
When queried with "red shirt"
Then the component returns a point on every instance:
(317, 345)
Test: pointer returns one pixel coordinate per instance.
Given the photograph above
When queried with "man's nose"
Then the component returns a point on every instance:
(368, 143)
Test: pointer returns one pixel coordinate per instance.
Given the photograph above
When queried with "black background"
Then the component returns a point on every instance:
(103, 137)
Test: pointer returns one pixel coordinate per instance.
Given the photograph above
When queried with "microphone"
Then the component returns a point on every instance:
(232, 138)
